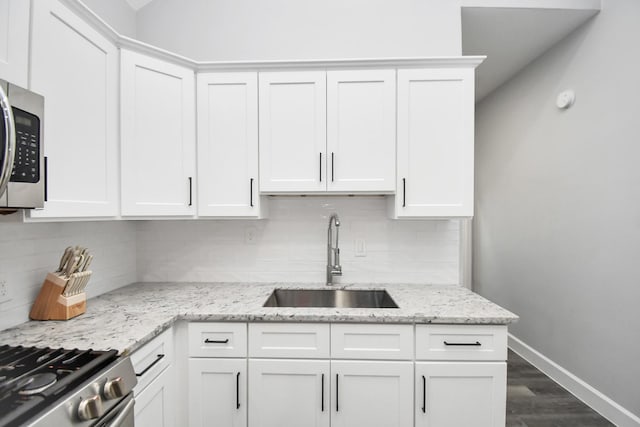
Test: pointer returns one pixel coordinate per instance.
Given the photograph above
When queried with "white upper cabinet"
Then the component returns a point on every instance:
(75, 68)
(293, 132)
(228, 145)
(158, 137)
(435, 143)
(14, 41)
(361, 131)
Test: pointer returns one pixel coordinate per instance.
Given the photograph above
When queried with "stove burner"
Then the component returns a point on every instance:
(33, 380)
(37, 383)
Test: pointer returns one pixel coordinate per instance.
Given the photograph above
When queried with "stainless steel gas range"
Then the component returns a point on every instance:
(57, 387)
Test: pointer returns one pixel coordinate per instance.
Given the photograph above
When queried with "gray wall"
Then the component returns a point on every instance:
(557, 229)
(301, 29)
(116, 13)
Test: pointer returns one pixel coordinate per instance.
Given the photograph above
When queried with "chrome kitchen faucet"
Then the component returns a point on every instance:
(333, 262)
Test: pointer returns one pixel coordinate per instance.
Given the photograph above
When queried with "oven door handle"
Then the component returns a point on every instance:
(8, 141)
(123, 415)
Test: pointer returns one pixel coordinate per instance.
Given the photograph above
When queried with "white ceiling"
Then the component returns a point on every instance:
(138, 4)
(513, 37)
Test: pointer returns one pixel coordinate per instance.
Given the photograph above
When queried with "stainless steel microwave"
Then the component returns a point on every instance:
(22, 163)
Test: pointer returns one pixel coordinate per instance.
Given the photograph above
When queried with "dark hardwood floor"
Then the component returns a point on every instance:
(535, 400)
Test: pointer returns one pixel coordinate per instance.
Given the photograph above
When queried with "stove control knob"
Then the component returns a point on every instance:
(90, 408)
(114, 389)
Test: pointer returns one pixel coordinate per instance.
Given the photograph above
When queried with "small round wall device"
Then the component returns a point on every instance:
(565, 99)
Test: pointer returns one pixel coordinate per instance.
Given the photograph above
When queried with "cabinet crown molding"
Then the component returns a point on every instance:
(329, 64)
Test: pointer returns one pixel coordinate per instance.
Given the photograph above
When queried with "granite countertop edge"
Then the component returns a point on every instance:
(137, 313)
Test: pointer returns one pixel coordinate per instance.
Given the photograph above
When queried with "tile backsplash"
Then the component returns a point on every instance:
(291, 245)
(29, 251)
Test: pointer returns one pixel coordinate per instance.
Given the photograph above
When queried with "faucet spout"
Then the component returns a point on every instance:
(333, 252)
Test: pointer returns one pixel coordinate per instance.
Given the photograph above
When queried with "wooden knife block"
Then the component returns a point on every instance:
(52, 305)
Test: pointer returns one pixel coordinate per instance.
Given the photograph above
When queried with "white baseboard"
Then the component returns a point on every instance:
(600, 403)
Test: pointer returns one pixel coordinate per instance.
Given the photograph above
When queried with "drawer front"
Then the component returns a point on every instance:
(377, 342)
(289, 340)
(217, 340)
(461, 342)
(150, 360)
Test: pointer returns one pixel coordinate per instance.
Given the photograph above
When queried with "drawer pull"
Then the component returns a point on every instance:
(208, 341)
(158, 358)
(466, 344)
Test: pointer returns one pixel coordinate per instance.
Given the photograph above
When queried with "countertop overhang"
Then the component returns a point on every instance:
(127, 318)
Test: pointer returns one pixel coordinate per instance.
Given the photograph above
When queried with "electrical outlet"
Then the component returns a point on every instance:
(4, 291)
(250, 235)
(361, 248)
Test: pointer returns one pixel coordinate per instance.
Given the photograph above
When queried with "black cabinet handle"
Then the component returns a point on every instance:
(404, 192)
(190, 191)
(337, 393)
(251, 192)
(331, 167)
(320, 168)
(238, 390)
(322, 395)
(158, 358)
(467, 344)
(208, 341)
(424, 395)
(46, 178)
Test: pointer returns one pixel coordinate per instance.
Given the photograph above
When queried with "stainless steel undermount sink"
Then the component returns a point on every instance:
(332, 298)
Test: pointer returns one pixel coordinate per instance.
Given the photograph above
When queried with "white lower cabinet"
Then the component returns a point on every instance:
(289, 393)
(154, 394)
(345, 375)
(372, 394)
(217, 392)
(454, 394)
(154, 406)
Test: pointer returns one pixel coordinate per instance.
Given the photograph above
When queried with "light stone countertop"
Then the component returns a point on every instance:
(129, 317)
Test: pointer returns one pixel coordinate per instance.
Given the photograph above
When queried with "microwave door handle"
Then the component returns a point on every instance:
(8, 141)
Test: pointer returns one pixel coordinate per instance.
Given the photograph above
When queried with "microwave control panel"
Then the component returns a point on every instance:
(26, 166)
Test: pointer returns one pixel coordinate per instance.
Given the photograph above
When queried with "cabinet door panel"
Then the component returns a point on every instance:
(292, 131)
(76, 70)
(372, 394)
(158, 137)
(217, 392)
(435, 143)
(14, 41)
(452, 394)
(361, 125)
(155, 404)
(228, 144)
(289, 393)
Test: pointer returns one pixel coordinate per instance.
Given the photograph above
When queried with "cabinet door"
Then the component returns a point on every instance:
(372, 394)
(289, 393)
(155, 405)
(435, 143)
(75, 68)
(453, 394)
(228, 145)
(158, 137)
(217, 392)
(14, 41)
(361, 130)
(293, 132)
